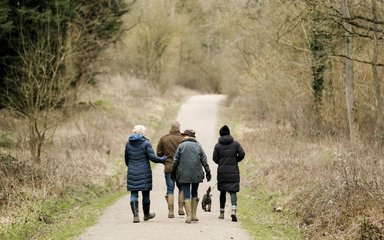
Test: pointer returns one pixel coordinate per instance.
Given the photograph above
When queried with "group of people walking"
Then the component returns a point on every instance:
(185, 163)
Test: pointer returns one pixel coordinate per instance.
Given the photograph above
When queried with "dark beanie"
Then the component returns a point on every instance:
(224, 130)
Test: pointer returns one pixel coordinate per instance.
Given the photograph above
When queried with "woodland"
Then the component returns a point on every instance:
(304, 81)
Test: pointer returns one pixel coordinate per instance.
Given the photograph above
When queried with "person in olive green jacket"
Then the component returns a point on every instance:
(167, 146)
(187, 169)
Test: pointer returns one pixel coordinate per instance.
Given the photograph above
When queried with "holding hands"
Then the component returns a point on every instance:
(173, 176)
(208, 175)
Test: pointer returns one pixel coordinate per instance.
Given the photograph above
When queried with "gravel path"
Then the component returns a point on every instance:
(198, 113)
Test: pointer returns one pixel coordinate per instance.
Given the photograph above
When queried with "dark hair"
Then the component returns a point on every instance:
(224, 130)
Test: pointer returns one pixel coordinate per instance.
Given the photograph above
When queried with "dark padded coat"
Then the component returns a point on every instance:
(227, 153)
(138, 152)
(189, 161)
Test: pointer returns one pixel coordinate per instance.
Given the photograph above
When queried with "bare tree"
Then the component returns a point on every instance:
(93, 27)
(375, 61)
(38, 85)
(56, 52)
(154, 42)
(154, 36)
(349, 81)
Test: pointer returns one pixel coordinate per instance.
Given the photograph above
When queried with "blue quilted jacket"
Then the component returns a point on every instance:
(138, 152)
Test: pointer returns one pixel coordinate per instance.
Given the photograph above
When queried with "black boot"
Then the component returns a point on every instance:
(135, 211)
(147, 214)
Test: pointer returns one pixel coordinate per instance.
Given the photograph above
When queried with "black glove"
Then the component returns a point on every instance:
(173, 176)
(208, 175)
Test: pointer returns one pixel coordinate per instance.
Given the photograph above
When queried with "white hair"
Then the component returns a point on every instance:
(175, 125)
(140, 129)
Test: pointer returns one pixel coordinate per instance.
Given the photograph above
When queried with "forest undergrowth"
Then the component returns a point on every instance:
(334, 189)
(305, 89)
(83, 158)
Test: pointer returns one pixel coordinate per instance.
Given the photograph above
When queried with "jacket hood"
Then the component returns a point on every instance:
(136, 139)
(226, 139)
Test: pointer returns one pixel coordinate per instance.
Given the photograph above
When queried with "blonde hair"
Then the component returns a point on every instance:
(140, 129)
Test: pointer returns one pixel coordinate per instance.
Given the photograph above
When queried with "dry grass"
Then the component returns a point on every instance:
(86, 149)
(335, 189)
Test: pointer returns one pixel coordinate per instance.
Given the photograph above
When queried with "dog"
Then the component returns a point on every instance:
(207, 201)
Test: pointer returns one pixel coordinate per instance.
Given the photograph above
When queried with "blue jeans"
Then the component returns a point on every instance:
(171, 184)
(135, 196)
(190, 189)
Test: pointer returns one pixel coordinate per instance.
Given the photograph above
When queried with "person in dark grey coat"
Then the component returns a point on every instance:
(187, 169)
(138, 152)
(227, 154)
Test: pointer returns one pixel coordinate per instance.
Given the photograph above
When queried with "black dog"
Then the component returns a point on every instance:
(207, 201)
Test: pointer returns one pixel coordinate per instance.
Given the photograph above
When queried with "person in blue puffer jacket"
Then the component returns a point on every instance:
(138, 152)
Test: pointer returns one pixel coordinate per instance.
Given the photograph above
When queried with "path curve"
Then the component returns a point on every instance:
(199, 113)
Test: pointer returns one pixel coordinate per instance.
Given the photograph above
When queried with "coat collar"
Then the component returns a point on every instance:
(226, 139)
(189, 139)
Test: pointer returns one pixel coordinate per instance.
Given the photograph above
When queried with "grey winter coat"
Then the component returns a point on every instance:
(138, 152)
(189, 161)
(227, 153)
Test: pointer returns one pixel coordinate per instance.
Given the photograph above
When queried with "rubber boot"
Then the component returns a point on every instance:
(135, 211)
(169, 199)
(195, 202)
(188, 209)
(147, 214)
(233, 215)
(221, 216)
(181, 203)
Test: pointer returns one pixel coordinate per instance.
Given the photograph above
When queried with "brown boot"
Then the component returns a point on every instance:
(169, 199)
(188, 207)
(181, 203)
(221, 216)
(195, 202)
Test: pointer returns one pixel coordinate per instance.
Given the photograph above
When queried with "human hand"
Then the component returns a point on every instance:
(173, 176)
(209, 176)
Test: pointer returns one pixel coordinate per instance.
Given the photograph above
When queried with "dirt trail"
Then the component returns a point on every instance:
(198, 113)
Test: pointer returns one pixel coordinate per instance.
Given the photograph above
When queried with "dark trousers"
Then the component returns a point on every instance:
(223, 198)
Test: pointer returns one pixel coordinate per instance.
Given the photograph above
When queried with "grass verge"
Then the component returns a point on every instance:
(260, 219)
(61, 218)
(76, 221)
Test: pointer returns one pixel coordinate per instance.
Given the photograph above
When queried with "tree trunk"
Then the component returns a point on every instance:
(349, 78)
(374, 66)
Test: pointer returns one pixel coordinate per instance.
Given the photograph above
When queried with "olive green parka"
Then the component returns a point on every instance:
(189, 161)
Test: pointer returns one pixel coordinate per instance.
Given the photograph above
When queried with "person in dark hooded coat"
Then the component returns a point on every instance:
(227, 154)
(138, 153)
